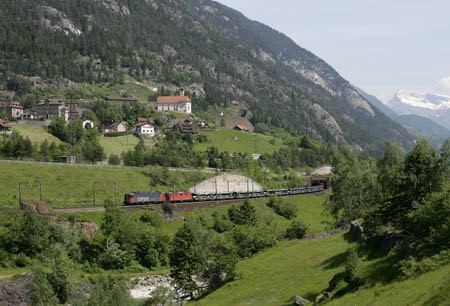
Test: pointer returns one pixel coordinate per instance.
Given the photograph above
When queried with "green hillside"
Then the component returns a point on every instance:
(36, 134)
(117, 145)
(305, 267)
(277, 275)
(73, 186)
(237, 142)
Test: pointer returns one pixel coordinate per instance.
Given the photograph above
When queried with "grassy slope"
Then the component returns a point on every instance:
(71, 186)
(35, 133)
(117, 145)
(305, 267)
(223, 140)
(429, 289)
(277, 275)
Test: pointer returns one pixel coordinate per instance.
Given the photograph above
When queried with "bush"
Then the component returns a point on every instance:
(297, 230)
(167, 208)
(40, 290)
(411, 267)
(154, 219)
(221, 223)
(283, 207)
(114, 160)
(4, 258)
(352, 269)
(22, 260)
(116, 134)
(252, 239)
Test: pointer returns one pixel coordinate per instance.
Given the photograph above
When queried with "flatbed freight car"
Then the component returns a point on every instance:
(138, 198)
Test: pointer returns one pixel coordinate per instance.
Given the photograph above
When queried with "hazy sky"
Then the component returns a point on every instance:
(381, 46)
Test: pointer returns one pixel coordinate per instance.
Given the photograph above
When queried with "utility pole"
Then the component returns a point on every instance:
(40, 191)
(247, 189)
(115, 193)
(20, 194)
(93, 187)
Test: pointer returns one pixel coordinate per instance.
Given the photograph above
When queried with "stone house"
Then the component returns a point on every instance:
(51, 109)
(12, 109)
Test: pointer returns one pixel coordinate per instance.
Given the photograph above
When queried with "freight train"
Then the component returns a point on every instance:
(137, 198)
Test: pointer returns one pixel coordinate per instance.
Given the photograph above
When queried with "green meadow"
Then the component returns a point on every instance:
(64, 185)
(37, 134)
(234, 141)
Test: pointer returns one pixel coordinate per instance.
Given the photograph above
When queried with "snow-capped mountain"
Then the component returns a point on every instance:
(432, 106)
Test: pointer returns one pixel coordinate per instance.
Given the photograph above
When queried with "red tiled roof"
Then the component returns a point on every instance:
(173, 99)
(145, 120)
(15, 104)
(143, 123)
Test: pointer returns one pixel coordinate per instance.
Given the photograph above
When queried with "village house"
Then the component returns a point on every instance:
(51, 109)
(180, 104)
(12, 109)
(186, 127)
(116, 127)
(29, 114)
(5, 128)
(145, 128)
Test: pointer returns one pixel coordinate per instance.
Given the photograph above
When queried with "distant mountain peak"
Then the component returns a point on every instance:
(421, 100)
(433, 106)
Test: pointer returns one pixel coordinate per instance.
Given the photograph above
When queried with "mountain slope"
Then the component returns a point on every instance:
(306, 71)
(216, 53)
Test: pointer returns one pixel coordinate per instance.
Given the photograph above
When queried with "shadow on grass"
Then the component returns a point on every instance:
(335, 261)
(209, 291)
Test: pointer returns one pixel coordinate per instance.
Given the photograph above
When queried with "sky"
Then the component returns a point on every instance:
(381, 46)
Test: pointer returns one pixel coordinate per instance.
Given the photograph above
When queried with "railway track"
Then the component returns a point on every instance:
(179, 207)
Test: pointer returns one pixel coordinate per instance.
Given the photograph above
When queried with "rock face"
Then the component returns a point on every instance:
(89, 229)
(39, 207)
(13, 293)
(298, 300)
(56, 20)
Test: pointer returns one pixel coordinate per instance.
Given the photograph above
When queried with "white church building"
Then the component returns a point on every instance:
(180, 104)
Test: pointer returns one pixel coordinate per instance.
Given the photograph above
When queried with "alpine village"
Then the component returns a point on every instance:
(175, 152)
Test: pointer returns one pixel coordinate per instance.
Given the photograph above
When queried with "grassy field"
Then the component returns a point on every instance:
(246, 143)
(117, 145)
(73, 186)
(36, 134)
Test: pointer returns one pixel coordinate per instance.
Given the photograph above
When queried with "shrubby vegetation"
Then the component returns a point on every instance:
(18, 147)
(404, 196)
(283, 207)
